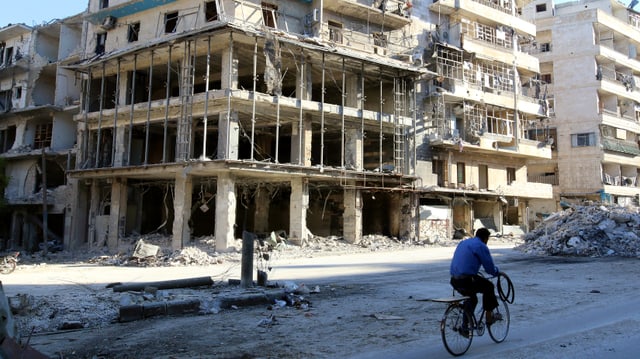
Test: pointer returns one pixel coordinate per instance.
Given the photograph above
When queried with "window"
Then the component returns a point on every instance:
(7, 137)
(104, 4)
(2, 46)
(42, 138)
(541, 7)
(460, 171)
(211, 11)
(8, 59)
(269, 14)
(170, 22)
(101, 41)
(545, 47)
(134, 30)
(17, 91)
(583, 139)
(546, 78)
(511, 175)
(335, 32)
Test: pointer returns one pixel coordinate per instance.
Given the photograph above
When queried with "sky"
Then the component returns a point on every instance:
(38, 12)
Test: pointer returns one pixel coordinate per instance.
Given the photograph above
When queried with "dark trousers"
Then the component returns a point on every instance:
(472, 285)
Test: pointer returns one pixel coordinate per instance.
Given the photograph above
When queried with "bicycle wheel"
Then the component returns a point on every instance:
(7, 266)
(453, 332)
(500, 328)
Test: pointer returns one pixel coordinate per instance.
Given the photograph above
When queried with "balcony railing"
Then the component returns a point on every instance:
(615, 145)
(548, 179)
(620, 180)
(488, 34)
(500, 5)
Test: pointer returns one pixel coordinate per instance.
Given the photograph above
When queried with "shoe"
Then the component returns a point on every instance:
(464, 332)
(494, 317)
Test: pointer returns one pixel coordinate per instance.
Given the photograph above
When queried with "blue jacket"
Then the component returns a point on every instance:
(469, 255)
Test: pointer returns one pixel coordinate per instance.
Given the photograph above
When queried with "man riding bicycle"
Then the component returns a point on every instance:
(465, 265)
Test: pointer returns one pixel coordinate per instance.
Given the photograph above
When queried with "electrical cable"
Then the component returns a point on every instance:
(509, 296)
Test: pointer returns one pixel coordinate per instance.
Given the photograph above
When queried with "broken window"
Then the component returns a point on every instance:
(583, 139)
(42, 137)
(134, 30)
(17, 92)
(541, 7)
(5, 101)
(335, 32)
(460, 172)
(211, 11)
(104, 4)
(546, 78)
(101, 41)
(269, 14)
(7, 137)
(8, 60)
(170, 22)
(546, 47)
(511, 175)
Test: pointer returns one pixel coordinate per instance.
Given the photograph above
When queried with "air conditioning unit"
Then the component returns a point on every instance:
(312, 18)
(108, 23)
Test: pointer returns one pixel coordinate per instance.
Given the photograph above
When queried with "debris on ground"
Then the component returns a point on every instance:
(587, 231)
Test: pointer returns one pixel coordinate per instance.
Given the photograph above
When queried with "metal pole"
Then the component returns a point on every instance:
(45, 214)
(146, 145)
(100, 116)
(206, 100)
(131, 110)
(322, 113)
(114, 140)
(87, 108)
(228, 134)
(166, 109)
(253, 111)
(380, 134)
(342, 149)
(300, 124)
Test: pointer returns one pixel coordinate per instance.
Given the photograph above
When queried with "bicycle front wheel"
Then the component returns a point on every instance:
(456, 328)
(500, 328)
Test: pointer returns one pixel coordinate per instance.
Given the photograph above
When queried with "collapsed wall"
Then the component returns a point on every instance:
(588, 231)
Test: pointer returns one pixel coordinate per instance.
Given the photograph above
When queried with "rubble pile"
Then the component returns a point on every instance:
(587, 231)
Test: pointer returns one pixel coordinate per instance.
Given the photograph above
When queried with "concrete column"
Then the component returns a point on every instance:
(93, 215)
(77, 215)
(118, 212)
(261, 217)
(182, 210)
(298, 204)
(225, 211)
(228, 128)
(408, 217)
(304, 81)
(301, 139)
(353, 91)
(353, 149)
(352, 216)
(121, 149)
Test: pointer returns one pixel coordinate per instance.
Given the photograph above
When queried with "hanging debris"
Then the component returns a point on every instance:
(587, 231)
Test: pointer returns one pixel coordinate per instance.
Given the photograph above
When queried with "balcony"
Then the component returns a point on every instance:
(395, 16)
(620, 146)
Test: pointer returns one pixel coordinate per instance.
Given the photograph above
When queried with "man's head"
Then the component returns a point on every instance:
(483, 234)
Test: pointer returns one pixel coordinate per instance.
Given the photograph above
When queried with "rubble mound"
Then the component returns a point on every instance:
(587, 231)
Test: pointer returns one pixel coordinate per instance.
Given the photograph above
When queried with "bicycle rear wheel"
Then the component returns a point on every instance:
(456, 337)
(500, 328)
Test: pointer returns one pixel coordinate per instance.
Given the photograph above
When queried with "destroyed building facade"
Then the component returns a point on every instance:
(38, 98)
(323, 117)
(588, 53)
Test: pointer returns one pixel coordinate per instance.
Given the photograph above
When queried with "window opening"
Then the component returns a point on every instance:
(335, 32)
(460, 172)
(43, 136)
(104, 4)
(170, 22)
(101, 41)
(134, 30)
(211, 11)
(269, 14)
(541, 7)
(511, 175)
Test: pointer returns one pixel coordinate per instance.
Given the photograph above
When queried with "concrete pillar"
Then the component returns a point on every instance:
(182, 210)
(353, 156)
(352, 216)
(93, 214)
(298, 204)
(304, 81)
(225, 211)
(261, 217)
(408, 217)
(118, 212)
(228, 128)
(75, 234)
(301, 140)
(353, 91)
(121, 148)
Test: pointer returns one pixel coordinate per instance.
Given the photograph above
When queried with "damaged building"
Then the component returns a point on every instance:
(588, 52)
(414, 120)
(38, 99)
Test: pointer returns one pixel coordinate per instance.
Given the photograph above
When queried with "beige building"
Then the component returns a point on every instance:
(38, 98)
(414, 120)
(589, 60)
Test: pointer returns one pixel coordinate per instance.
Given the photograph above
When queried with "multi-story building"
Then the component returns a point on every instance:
(485, 117)
(588, 55)
(38, 98)
(328, 117)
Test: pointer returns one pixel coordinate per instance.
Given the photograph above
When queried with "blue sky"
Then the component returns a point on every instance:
(37, 12)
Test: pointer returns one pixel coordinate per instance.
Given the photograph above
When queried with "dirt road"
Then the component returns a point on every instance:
(367, 307)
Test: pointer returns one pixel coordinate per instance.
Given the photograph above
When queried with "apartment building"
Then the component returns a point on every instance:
(38, 98)
(195, 118)
(485, 119)
(588, 55)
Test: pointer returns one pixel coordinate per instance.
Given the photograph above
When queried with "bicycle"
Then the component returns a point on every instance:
(9, 262)
(456, 337)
